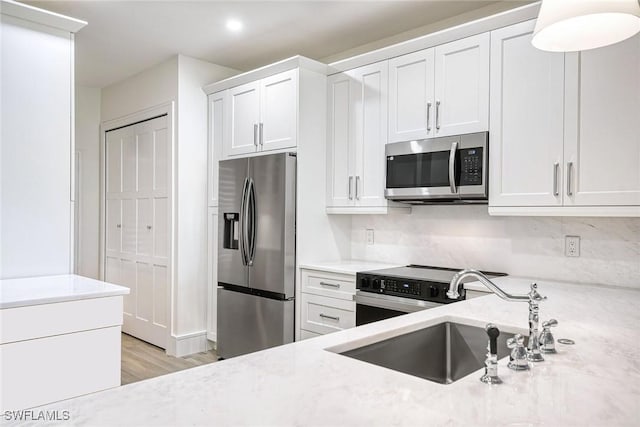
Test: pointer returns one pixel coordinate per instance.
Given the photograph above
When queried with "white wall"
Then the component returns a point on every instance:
(467, 237)
(149, 88)
(87, 181)
(191, 199)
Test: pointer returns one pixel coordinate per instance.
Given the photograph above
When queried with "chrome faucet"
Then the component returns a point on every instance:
(533, 298)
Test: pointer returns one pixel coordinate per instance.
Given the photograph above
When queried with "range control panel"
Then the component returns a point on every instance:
(407, 288)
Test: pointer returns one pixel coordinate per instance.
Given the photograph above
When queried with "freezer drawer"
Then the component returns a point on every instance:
(248, 323)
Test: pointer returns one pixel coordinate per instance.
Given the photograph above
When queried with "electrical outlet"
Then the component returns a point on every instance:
(572, 246)
(369, 233)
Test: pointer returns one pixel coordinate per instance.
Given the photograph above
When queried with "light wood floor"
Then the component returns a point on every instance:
(141, 360)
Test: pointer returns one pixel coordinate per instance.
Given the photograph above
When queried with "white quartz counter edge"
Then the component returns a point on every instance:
(350, 267)
(594, 382)
(30, 291)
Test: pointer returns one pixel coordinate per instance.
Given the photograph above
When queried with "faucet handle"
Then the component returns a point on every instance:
(534, 295)
(518, 357)
(547, 342)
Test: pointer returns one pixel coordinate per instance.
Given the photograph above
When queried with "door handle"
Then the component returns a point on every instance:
(569, 173)
(429, 116)
(243, 223)
(326, 316)
(255, 134)
(357, 192)
(452, 166)
(438, 115)
(556, 169)
(261, 134)
(350, 192)
(252, 221)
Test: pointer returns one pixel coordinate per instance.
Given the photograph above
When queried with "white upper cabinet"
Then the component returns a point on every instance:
(262, 115)
(244, 117)
(357, 134)
(564, 128)
(462, 86)
(440, 91)
(218, 132)
(526, 126)
(603, 157)
(278, 111)
(411, 97)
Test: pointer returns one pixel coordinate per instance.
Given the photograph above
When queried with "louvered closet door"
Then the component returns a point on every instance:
(137, 225)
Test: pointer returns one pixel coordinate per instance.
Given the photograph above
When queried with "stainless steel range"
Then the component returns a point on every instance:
(391, 292)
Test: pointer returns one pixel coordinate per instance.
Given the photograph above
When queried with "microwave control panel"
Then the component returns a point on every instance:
(471, 163)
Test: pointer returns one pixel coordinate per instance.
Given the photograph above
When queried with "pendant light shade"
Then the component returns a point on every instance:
(572, 25)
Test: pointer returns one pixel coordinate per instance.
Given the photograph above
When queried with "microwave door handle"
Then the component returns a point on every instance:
(452, 167)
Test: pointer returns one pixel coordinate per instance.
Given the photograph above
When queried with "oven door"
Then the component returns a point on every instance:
(372, 307)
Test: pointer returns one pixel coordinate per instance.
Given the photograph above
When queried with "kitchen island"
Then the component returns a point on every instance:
(594, 382)
(59, 338)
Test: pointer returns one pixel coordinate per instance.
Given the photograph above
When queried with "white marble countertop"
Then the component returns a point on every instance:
(49, 289)
(350, 267)
(594, 382)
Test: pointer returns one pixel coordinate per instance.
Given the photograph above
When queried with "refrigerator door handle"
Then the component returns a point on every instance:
(243, 223)
(251, 210)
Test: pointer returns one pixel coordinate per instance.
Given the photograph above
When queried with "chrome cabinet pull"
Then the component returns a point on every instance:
(429, 116)
(357, 185)
(569, 172)
(261, 133)
(326, 316)
(556, 169)
(255, 134)
(350, 192)
(452, 167)
(333, 285)
(437, 115)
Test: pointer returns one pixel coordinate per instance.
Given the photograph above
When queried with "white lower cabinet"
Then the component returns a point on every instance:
(326, 303)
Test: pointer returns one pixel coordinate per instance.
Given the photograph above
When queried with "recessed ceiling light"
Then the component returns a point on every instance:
(234, 25)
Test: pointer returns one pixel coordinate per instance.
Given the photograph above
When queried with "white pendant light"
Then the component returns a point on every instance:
(571, 25)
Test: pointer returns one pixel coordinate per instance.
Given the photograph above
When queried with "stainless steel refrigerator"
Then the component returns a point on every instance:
(256, 253)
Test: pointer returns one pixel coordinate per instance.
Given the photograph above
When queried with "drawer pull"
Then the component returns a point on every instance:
(326, 316)
(332, 285)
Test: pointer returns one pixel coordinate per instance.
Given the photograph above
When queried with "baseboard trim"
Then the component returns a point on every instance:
(186, 344)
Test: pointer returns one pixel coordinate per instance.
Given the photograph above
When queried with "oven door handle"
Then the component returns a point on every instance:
(452, 167)
(405, 305)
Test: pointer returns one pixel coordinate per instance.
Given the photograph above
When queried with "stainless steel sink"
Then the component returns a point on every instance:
(442, 353)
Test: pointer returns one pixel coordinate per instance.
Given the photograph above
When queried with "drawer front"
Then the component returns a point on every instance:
(305, 335)
(324, 315)
(330, 285)
(18, 324)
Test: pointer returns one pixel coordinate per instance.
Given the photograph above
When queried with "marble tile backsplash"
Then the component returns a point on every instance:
(467, 237)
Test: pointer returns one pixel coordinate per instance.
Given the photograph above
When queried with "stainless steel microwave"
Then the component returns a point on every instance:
(446, 169)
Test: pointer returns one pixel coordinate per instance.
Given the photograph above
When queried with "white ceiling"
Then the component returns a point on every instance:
(125, 37)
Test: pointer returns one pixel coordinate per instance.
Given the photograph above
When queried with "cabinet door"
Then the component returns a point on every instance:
(462, 86)
(212, 270)
(605, 151)
(411, 105)
(278, 111)
(218, 133)
(526, 127)
(339, 136)
(243, 120)
(369, 101)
